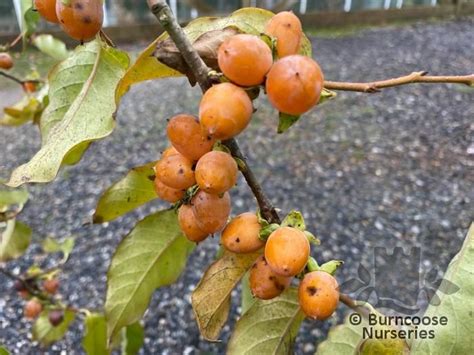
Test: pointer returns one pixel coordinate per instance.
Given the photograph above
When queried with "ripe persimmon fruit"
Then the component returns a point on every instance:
(294, 84)
(169, 151)
(80, 19)
(6, 61)
(185, 134)
(287, 251)
(175, 171)
(51, 286)
(264, 283)
(32, 309)
(167, 193)
(216, 172)
(55, 317)
(241, 235)
(189, 225)
(318, 294)
(286, 28)
(47, 10)
(245, 59)
(225, 110)
(29, 86)
(211, 211)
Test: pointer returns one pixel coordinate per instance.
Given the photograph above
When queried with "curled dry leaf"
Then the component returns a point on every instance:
(206, 46)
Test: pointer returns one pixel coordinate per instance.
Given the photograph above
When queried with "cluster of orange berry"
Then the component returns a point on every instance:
(34, 306)
(191, 173)
(80, 19)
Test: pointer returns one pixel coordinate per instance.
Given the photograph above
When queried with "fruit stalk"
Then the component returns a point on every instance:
(168, 21)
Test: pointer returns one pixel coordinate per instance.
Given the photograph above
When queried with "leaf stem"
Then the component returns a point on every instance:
(16, 80)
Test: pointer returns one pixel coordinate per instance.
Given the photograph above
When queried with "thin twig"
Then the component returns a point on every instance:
(11, 77)
(349, 302)
(31, 290)
(169, 22)
(18, 81)
(415, 77)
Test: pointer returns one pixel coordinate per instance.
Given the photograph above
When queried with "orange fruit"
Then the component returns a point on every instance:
(286, 28)
(216, 172)
(245, 59)
(185, 134)
(318, 295)
(167, 193)
(264, 283)
(287, 251)
(294, 84)
(6, 61)
(80, 19)
(225, 110)
(211, 211)
(241, 235)
(32, 309)
(47, 9)
(175, 171)
(189, 224)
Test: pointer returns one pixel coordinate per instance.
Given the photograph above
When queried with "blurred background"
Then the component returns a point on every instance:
(393, 169)
(312, 12)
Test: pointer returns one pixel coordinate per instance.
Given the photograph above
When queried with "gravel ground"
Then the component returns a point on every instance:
(393, 169)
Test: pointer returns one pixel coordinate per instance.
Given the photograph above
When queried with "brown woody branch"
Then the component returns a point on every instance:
(415, 77)
(32, 290)
(349, 302)
(170, 24)
(16, 80)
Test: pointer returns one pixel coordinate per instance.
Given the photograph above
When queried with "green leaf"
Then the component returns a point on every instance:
(248, 20)
(4, 351)
(331, 266)
(456, 299)
(14, 240)
(51, 46)
(95, 335)
(247, 297)
(12, 197)
(51, 245)
(153, 255)
(29, 108)
(294, 219)
(343, 339)
(211, 298)
(326, 95)
(268, 327)
(132, 191)
(285, 121)
(132, 340)
(80, 110)
(29, 20)
(45, 333)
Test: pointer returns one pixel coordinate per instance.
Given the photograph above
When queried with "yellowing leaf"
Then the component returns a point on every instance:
(45, 333)
(14, 240)
(268, 327)
(153, 255)
(95, 335)
(456, 296)
(29, 108)
(211, 298)
(80, 110)
(134, 190)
